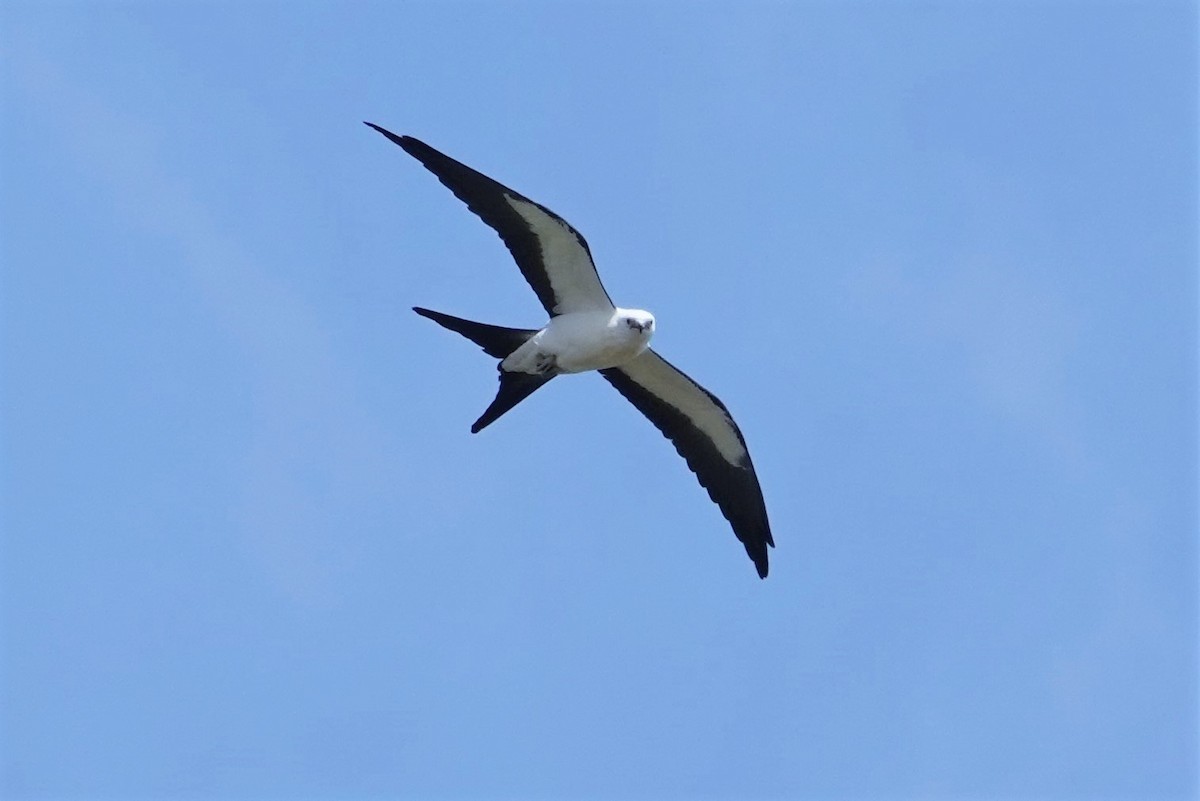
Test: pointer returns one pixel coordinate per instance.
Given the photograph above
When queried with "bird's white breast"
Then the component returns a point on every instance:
(581, 341)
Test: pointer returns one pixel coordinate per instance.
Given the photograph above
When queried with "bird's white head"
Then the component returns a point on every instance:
(638, 321)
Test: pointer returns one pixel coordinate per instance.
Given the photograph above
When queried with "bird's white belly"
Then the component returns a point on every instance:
(579, 357)
(576, 343)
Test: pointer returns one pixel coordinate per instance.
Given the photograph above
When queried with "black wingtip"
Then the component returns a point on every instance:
(759, 557)
(400, 140)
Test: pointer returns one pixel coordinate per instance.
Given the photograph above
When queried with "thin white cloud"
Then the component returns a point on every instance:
(305, 417)
(1012, 337)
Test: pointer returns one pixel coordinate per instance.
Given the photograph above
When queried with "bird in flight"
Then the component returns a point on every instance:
(586, 332)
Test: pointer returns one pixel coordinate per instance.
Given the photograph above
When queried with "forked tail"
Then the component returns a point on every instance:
(498, 342)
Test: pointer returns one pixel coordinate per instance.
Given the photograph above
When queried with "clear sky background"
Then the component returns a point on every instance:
(939, 260)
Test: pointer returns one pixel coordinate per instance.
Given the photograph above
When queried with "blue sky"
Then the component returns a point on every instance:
(939, 260)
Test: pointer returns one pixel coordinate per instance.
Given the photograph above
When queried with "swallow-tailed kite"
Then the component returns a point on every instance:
(588, 332)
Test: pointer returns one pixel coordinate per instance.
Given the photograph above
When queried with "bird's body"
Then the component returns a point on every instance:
(588, 332)
(578, 342)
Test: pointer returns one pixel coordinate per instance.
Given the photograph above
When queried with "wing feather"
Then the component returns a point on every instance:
(708, 439)
(553, 256)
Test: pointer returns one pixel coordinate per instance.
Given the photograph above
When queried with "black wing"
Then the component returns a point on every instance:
(552, 255)
(705, 435)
